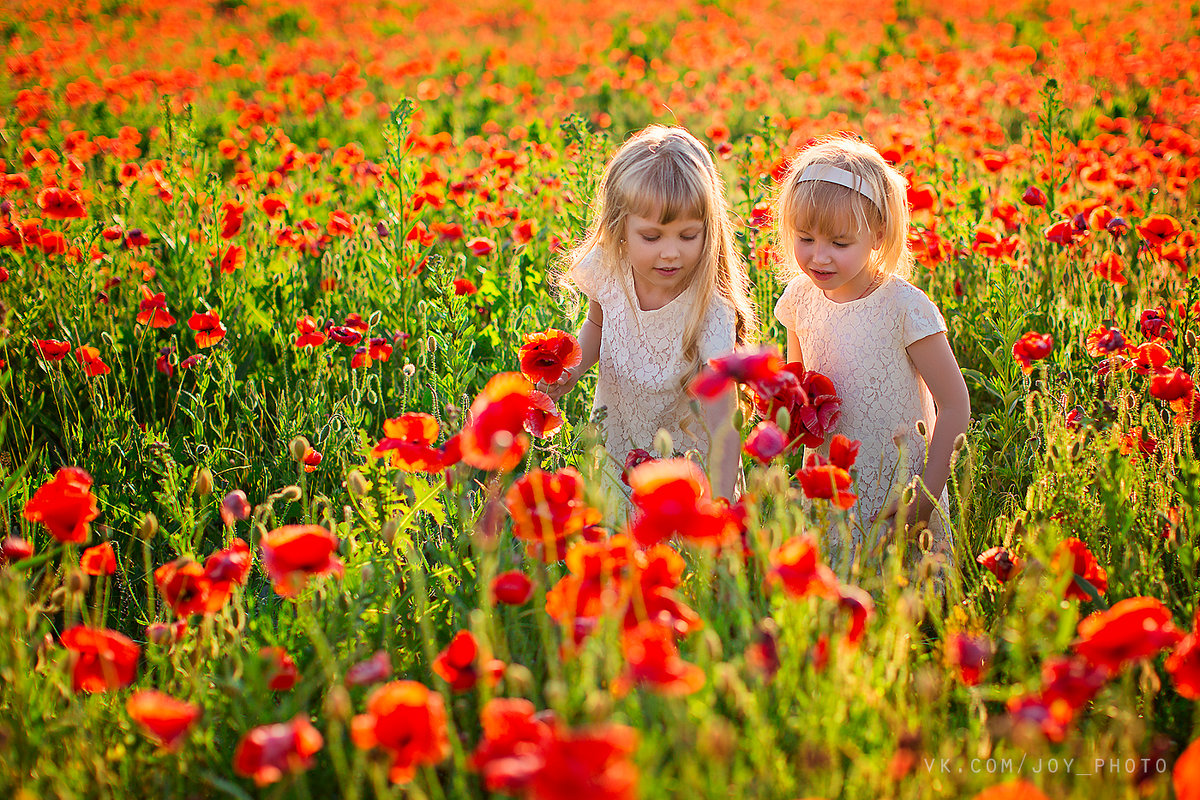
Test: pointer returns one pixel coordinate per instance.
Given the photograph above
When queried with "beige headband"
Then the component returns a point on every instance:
(831, 174)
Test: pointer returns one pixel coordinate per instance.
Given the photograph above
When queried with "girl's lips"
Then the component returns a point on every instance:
(822, 276)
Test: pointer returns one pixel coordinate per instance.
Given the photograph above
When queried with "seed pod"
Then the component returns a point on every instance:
(298, 447)
(598, 706)
(388, 532)
(338, 705)
(663, 444)
(291, 493)
(519, 678)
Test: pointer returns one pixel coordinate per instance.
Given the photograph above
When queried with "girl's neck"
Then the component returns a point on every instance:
(863, 286)
(650, 298)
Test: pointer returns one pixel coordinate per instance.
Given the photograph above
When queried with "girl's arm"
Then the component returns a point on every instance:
(793, 347)
(938, 368)
(589, 342)
(725, 444)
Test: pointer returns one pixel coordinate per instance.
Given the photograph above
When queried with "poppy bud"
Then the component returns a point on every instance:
(409, 370)
(908, 495)
(431, 344)
(203, 482)
(783, 419)
(388, 532)
(77, 582)
(663, 444)
(291, 493)
(598, 706)
(519, 678)
(57, 598)
(234, 506)
(381, 230)
(1190, 339)
(556, 694)
(712, 644)
(159, 633)
(960, 442)
(149, 527)
(921, 429)
(356, 483)
(338, 705)
(298, 447)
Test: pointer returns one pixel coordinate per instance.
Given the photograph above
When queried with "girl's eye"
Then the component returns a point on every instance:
(646, 238)
(691, 238)
(841, 244)
(806, 240)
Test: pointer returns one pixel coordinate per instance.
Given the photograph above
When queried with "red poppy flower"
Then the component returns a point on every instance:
(672, 498)
(1064, 233)
(99, 560)
(510, 751)
(409, 439)
(652, 660)
(408, 720)
(153, 310)
(922, 197)
(267, 752)
(809, 398)
(1083, 564)
(1138, 627)
(165, 718)
(1032, 347)
(543, 419)
(293, 553)
(861, 608)
(208, 327)
(52, 349)
(1184, 663)
(57, 203)
(1137, 443)
(100, 659)
(750, 365)
(1185, 777)
(340, 224)
(1111, 267)
(1105, 341)
(970, 655)
(548, 507)
(184, 586)
(233, 259)
(1159, 229)
(547, 355)
(512, 588)
(224, 569)
(493, 439)
(1149, 356)
(1048, 717)
(632, 459)
(373, 670)
(1171, 384)
(458, 664)
(481, 246)
(273, 205)
(282, 669)
(464, 286)
(1034, 196)
(1154, 324)
(309, 335)
(1000, 562)
(311, 459)
(379, 349)
(14, 549)
(89, 359)
(1072, 680)
(797, 566)
(765, 442)
(344, 335)
(588, 764)
(231, 219)
(822, 480)
(65, 505)
(762, 655)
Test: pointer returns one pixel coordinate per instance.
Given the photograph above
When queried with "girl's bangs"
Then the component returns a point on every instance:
(832, 210)
(666, 193)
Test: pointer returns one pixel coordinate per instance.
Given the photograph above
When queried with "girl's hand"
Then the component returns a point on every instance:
(561, 386)
(889, 516)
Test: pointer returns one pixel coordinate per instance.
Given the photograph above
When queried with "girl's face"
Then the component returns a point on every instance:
(664, 256)
(837, 262)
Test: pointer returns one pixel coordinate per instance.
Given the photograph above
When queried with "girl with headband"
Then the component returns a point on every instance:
(842, 216)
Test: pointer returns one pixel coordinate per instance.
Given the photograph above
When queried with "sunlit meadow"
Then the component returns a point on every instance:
(283, 518)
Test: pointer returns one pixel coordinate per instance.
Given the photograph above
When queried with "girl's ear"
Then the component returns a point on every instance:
(877, 239)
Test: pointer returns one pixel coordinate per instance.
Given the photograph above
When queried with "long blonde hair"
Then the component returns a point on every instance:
(831, 208)
(665, 173)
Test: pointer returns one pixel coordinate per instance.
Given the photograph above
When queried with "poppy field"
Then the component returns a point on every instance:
(284, 514)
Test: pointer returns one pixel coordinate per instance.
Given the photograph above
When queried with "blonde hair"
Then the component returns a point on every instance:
(665, 173)
(832, 209)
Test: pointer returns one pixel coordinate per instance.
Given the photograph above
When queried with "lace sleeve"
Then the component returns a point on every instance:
(586, 275)
(789, 306)
(920, 318)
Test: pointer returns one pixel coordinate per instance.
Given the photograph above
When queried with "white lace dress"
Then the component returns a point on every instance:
(861, 346)
(641, 359)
